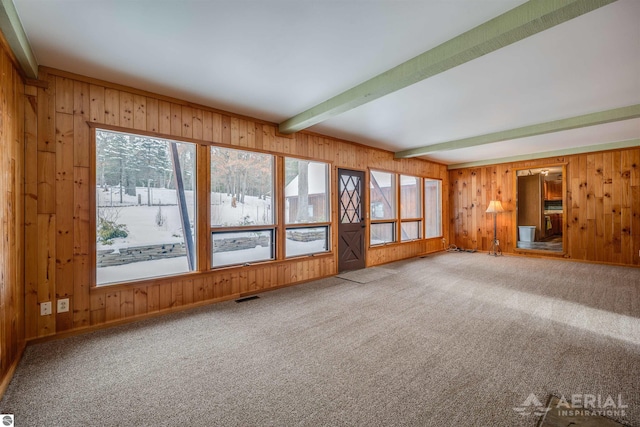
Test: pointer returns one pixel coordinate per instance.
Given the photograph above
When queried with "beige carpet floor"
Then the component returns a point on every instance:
(453, 339)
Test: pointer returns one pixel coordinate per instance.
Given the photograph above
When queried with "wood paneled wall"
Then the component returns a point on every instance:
(58, 170)
(602, 205)
(11, 215)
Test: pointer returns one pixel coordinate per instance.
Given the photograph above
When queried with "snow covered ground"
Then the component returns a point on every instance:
(260, 253)
(143, 230)
(142, 270)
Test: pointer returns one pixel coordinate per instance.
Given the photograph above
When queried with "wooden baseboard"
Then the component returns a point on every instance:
(12, 369)
(159, 313)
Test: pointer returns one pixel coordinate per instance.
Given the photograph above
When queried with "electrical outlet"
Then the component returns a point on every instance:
(45, 308)
(497, 242)
(63, 305)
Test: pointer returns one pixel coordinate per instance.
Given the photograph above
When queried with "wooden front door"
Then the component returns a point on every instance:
(351, 223)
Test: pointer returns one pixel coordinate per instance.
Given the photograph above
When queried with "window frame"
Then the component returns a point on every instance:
(273, 228)
(419, 204)
(394, 204)
(93, 208)
(399, 219)
(438, 208)
(203, 234)
(308, 225)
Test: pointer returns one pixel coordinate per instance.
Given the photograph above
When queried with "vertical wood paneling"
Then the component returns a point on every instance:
(152, 115)
(46, 115)
(216, 127)
(197, 126)
(97, 105)
(207, 126)
(81, 106)
(46, 164)
(601, 208)
(31, 211)
(187, 122)
(187, 292)
(635, 205)
(164, 117)
(61, 201)
(226, 130)
(176, 120)
(81, 256)
(46, 269)
(64, 99)
(64, 240)
(126, 303)
(139, 112)
(198, 289)
(140, 300)
(80, 304)
(153, 298)
(18, 138)
(616, 208)
(111, 107)
(126, 110)
(112, 306)
(165, 300)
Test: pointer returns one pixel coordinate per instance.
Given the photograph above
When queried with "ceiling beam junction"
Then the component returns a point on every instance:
(512, 26)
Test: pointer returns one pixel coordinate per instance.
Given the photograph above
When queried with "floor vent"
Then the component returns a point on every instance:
(248, 298)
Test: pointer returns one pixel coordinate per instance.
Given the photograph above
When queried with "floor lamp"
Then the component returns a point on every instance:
(495, 207)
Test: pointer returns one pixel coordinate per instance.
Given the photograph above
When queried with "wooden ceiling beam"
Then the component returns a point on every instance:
(550, 154)
(517, 24)
(608, 116)
(14, 34)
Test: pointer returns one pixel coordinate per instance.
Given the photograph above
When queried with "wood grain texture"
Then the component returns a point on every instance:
(602, 205)
(18, 138)
(60, 188)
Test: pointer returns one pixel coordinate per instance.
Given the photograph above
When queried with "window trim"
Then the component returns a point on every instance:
(95, 127)
(420, 219)
(275, 226)
(440, 207)
(273, 231)
(394, 203)
(293, 225)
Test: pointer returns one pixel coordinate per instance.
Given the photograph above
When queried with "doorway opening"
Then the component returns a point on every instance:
(540, 208)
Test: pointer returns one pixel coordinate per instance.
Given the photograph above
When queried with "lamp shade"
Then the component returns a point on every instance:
(495, 206)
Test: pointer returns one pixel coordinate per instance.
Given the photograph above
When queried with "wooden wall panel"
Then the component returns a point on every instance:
(602, 205)
(64, 240)
(81, 108)
(60, 197)
(15, 143)
(31, 209)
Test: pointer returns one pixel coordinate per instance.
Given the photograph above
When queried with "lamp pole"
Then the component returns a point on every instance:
(494, 208)
(495, 236)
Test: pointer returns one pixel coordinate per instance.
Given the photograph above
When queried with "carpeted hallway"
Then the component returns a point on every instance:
(453, 339)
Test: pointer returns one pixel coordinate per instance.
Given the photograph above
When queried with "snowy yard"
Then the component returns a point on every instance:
(143, 229)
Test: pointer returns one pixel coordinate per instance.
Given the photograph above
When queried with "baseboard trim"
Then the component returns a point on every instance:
(8, 376)
(160, 313)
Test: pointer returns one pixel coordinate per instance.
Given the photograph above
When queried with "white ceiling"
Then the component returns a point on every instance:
(272, 59)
